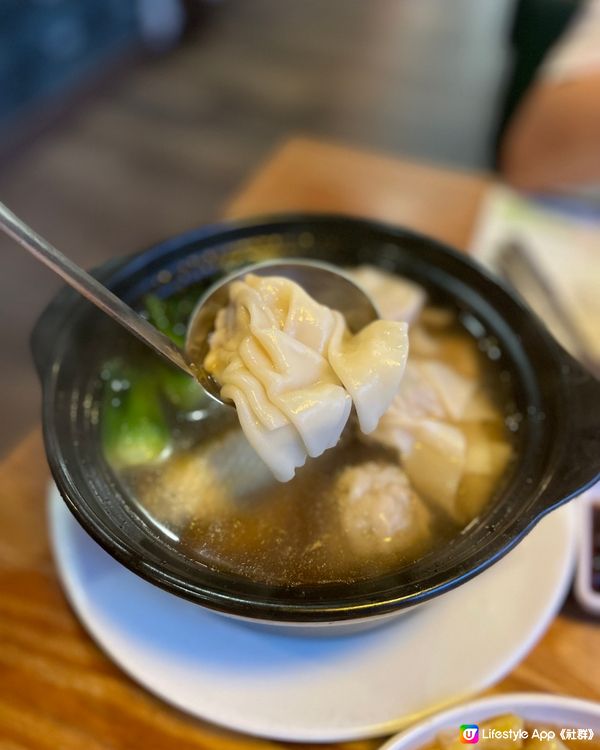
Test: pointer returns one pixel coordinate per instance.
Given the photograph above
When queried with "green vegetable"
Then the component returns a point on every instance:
(135, 420)
(180, 389)
(134, 426)
(166, 315)
(169, 317)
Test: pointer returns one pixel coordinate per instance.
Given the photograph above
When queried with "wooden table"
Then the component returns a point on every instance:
(57, 689)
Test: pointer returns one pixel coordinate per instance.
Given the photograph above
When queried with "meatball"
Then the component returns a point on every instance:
(379, 510)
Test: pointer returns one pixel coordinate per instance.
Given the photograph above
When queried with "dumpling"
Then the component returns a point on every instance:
(435, 462)
(455, 391)
(293, 370)
(431, 389)
(485, 455)
(370, 365)
(396, 298)
(422, 343)
(421, 425)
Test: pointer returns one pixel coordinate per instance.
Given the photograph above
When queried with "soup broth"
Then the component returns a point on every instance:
(369, 506)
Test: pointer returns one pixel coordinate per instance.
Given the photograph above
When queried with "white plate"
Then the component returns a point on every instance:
(300, 688)
(535, 708)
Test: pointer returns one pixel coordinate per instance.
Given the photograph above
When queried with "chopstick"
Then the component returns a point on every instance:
(514, 264)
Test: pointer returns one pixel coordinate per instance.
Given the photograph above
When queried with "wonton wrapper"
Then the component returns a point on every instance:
(293, 370)
(396, 298)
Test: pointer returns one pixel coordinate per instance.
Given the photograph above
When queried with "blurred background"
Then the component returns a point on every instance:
(125, 121)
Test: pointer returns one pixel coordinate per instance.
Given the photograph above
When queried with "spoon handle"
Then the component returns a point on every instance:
(90, 288)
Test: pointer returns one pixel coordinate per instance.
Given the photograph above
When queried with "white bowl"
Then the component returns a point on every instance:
(556, 710)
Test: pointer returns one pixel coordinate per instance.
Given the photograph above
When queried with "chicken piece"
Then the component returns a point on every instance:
(379, 510)
(397, 298)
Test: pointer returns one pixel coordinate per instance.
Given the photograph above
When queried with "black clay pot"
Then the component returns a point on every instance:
(559, 454)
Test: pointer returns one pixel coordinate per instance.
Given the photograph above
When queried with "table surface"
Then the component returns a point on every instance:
(57, 689)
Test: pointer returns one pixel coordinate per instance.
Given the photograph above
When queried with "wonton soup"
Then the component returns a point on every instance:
(370, 505)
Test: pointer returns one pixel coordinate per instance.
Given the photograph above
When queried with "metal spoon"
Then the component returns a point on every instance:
(322, 281)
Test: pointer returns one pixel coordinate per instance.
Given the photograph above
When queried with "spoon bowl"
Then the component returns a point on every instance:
(323, 281)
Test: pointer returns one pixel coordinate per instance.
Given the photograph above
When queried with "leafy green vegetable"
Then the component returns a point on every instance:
(169, 316)
(134, 427)
(135, 413)
(183, 392)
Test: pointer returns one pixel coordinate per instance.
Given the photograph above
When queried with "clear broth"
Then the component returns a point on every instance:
(214, 499)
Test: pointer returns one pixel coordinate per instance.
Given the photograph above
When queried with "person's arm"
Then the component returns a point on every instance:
(554, 139)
